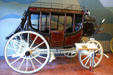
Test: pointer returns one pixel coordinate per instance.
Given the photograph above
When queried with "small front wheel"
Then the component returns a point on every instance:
(85, 56)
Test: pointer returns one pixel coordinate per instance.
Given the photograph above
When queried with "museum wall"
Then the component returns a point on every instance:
(11, 13)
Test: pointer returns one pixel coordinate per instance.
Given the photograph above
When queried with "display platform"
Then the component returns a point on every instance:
(66, 66)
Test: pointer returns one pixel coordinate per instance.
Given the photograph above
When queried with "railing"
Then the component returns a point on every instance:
(75, 6)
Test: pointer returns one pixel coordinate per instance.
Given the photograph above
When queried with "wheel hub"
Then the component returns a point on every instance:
(27, 53)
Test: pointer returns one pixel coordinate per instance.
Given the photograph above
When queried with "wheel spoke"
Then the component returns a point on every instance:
(87, 61)
(90, 62)
(21, 64)
(37, 60)
(94, 62)
(97, 58)
(15, 50)
(98, 54)
(13, 45)
(20, 37)
(11, 48)
(98, 45)
(96, 51)
(33, 41)
(32, 64)
(26, 64)
(15, 41)
(85, 58)
(42, 57)
(15, 60)
(28, 39)
(38, 45)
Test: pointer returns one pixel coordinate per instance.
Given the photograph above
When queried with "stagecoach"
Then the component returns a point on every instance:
(48, 31)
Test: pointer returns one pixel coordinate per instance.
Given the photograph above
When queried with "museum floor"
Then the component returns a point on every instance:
(65, 66)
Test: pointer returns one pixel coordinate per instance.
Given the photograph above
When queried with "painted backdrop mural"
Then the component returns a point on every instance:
(10, 17)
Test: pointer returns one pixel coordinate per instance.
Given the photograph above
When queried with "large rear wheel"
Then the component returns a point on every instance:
(24, 55)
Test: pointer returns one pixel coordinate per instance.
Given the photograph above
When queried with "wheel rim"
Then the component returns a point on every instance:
(111, 45)
(87, 60)
(24, 56)
(71, 54)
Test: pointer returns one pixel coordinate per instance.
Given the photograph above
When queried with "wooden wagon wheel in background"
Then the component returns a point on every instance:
(23, 55)
(111, 45)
